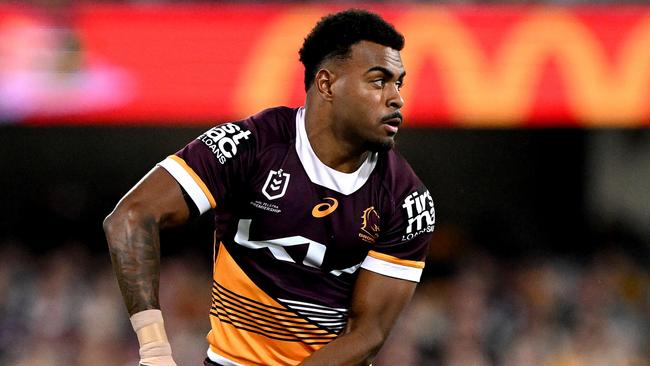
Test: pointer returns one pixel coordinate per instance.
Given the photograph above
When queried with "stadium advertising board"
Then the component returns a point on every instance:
(467, 66)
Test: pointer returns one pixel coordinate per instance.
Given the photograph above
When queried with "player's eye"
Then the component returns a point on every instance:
(400, 84)
(380, 83)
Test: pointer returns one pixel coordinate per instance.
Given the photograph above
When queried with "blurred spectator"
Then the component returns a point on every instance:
(44, 69)
(545, 311)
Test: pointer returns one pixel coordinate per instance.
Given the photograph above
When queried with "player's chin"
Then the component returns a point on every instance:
(381, 144)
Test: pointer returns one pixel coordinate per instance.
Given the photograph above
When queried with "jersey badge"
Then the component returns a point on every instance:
(276, 184)
(325, 208)
(369, 231)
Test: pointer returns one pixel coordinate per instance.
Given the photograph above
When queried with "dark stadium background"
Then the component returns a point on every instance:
(540, 256)
(515, 192)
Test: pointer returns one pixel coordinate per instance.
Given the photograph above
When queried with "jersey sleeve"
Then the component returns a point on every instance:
(401, 249)
(214, 164)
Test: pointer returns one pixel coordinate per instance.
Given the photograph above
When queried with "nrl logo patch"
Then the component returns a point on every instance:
(276, 184)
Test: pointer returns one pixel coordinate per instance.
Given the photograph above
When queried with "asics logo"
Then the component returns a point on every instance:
(325, 208)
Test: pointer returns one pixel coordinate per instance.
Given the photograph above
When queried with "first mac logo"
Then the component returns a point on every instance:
(420, 214)
(224, 139)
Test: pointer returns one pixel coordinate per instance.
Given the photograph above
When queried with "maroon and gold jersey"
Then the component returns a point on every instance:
(292, 233)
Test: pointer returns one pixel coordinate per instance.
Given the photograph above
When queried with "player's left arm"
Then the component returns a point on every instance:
(377, 301)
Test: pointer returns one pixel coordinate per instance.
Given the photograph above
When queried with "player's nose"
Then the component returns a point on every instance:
(394, 99)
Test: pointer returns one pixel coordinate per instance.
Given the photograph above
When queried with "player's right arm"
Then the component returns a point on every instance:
(132, 231)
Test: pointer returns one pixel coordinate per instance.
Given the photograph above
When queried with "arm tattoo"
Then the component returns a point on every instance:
(135, 253)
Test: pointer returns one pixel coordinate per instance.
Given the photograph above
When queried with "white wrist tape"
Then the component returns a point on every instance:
(149, 326)
(154, 346)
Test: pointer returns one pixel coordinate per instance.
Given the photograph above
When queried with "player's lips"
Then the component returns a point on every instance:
(392, 124)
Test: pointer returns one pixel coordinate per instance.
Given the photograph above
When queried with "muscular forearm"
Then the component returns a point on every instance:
(376, 303)
(133, 235)
(354, 348)
(134, 245)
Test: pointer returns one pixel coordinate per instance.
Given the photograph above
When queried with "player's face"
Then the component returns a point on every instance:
(367, 96)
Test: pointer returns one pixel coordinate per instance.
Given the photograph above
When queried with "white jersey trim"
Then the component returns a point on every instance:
(325, 308)
(321, 174)
(187, 182)
(214, 357)
(392, 269)
(333, 319)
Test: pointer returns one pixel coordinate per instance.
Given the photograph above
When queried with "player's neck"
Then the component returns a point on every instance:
(332, 150)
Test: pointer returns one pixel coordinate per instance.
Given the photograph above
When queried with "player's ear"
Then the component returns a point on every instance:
(323, 83)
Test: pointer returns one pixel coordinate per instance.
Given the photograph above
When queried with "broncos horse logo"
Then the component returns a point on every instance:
(369, 225)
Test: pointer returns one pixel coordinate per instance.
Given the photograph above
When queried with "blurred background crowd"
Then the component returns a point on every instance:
(539, 283)
(541, 254)
(65, 309)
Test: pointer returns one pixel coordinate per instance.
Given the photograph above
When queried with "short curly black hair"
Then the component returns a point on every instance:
(334, 34)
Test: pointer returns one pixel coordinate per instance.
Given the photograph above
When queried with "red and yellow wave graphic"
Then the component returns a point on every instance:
(469, 66)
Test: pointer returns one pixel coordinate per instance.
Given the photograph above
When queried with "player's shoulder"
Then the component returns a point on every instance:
(250, 136)
(408, 193)
(397, 176)
(273, 125)
(397, 170)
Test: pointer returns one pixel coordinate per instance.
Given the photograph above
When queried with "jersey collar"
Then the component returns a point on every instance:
(321, 174)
